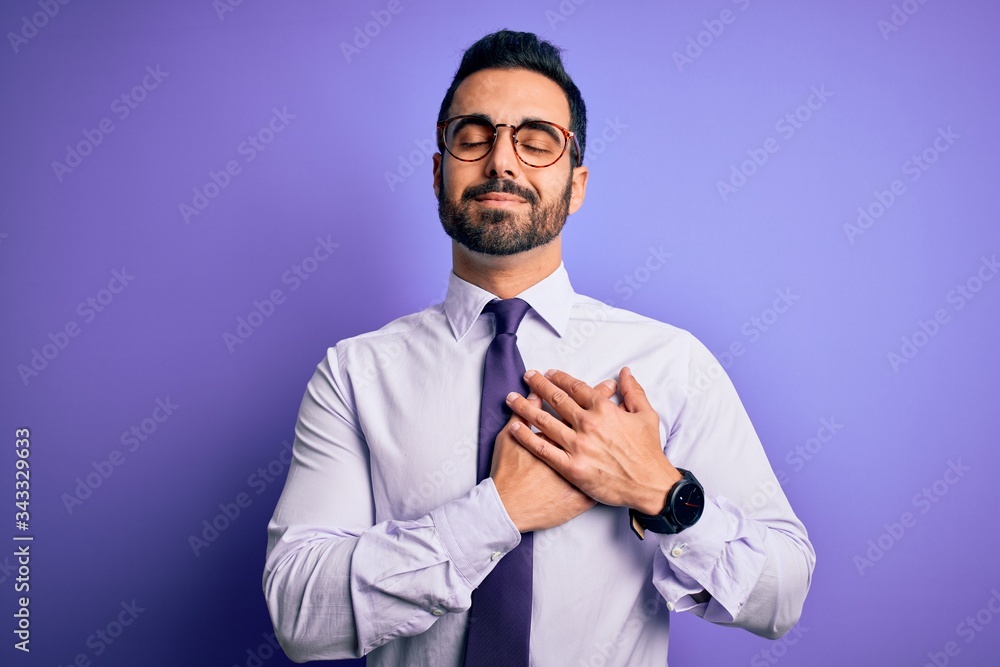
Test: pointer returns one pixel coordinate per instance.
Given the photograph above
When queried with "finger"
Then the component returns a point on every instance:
(564, 404)
(555, 457)
(514, 417)
(607, 388)
(582, 393)
(536, 401)
(533, 414)
(633, 395)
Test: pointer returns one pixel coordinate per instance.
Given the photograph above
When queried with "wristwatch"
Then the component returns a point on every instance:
(685, 502)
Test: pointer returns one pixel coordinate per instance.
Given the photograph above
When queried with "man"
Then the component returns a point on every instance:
(399, 514)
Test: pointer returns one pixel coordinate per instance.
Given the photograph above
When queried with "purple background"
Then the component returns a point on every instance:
(672, 132)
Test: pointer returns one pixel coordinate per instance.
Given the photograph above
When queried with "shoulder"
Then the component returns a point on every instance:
(676, 350)
(397, 329)
(392, 337)
(588, 308)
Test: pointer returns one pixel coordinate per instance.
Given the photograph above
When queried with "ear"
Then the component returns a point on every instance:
(436, 158)
(579, 191)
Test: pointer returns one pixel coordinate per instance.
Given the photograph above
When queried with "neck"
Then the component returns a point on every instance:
(509, 275)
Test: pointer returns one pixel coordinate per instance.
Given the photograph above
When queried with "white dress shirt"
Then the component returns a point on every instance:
(381, 532)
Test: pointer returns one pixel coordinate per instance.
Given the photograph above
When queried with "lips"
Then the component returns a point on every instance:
(499, 193)
(500, 196)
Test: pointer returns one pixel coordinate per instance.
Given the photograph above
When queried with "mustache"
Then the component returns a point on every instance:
(499, 185)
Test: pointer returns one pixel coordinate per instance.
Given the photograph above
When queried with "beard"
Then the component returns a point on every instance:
(499, 231)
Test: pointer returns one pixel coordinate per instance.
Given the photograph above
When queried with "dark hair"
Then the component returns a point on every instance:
(505, 49)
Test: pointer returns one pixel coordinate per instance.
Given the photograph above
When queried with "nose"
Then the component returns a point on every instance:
(502, 161)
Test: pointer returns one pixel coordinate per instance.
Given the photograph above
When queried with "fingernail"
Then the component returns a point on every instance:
(532, 396)
(515, 426)
(549, 373)
(511, 396)
(528, 374)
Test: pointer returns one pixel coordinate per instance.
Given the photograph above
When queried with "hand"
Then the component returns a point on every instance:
(611, 454)
(534, 495)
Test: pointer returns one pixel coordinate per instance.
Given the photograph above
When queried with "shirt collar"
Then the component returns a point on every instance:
(551, 298)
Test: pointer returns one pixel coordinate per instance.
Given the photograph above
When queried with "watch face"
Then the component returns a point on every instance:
(688, 504)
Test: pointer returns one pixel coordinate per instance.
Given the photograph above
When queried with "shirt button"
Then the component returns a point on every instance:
(437, 612)
(495, 555)
(670, 606)
(676, 552)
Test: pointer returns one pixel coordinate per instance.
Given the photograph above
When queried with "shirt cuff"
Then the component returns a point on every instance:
(697, 559)
(476, 531)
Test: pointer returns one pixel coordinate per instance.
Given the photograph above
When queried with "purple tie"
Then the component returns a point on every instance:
(500, 619)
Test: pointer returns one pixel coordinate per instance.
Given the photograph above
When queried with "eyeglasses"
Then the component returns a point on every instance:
(537, 143)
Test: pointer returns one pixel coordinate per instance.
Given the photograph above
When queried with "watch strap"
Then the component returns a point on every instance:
(660, 523)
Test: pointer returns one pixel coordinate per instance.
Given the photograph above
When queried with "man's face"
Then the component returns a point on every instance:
(499, 205)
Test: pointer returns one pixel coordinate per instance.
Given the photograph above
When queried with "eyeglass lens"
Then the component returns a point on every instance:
(537, 143)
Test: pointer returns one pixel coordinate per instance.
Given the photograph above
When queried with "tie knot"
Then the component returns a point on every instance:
(508, 313)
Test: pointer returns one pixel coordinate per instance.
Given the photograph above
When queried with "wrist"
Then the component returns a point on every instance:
(655, 495)
(681, 510)
(518, 510)
(508, 505)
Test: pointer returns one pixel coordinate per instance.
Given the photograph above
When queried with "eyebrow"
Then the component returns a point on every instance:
(524, 119)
